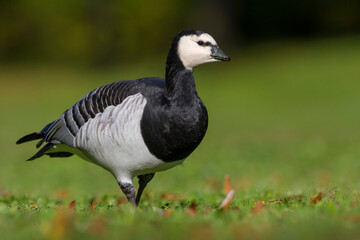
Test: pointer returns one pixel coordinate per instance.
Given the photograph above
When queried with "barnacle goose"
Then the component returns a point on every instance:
(139, 127)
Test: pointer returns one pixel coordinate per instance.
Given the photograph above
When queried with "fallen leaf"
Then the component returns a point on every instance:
(316, 199)
(72, 206)
(120, 200)
(92, 206)
(236, 209)
(171, 196)
(165, 213)
(227, 184)
(330, 196)
(275, 201)
(206, 209)
(34, 205)
(24, 209)
(191, 211)
(258, 207)
(227, 200)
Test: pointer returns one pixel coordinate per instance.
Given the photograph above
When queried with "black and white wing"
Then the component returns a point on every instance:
(65, 128)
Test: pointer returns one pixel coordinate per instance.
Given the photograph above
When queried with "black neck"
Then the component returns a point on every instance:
(179, 80)
(181, 85)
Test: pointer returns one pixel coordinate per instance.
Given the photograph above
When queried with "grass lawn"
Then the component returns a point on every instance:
(284, 125)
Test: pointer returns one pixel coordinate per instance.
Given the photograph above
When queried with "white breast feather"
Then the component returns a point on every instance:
(113, 140)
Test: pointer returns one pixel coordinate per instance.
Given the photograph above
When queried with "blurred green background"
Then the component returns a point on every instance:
(284, 113)
(94, 32)
(286, 105)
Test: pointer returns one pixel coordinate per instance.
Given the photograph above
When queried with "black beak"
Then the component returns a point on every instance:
(217, 54)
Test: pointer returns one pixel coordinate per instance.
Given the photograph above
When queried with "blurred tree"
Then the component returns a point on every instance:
(102, 32)
(92, 31)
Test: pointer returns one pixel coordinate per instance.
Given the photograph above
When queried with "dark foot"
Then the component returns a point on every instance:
(129, 191)
(143, 181)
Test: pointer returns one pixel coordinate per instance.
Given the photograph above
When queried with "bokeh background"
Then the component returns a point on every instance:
(284, 113)
(93, 32)
(287, 100)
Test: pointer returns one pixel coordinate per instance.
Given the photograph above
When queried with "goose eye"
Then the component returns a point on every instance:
(201, 43)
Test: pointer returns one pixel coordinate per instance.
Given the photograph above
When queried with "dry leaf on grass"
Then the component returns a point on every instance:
(226, 202)
(258, 207)
(92, 206)
(227, 184)
(191, 211)
(24, 209)
(331, 196)
(120, 200)
(34, 205)
(72, 206)
(275, 201)
(172, 197)
(165, 213)
(316, 199)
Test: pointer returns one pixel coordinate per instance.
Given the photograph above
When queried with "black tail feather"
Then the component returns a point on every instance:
(59, 154)
(40, 143)
(30, 137)
(42, 151)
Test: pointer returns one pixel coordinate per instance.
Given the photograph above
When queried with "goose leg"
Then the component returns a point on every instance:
(129, 191)
(143, 181)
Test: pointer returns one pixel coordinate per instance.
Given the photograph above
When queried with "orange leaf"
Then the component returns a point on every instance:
(258, 207)
(167, 213)
(191, 211)
(34, 205)
(72, 205)
(227, 184)
(120, 200)
(171, 196)
(316, 199)
(21, 207)
(275, 201)
(227, 200)
(92, 206)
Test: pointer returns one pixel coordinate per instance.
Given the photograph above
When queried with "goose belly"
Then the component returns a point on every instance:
(113, 140)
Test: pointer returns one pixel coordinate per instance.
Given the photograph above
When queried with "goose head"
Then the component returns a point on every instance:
(196, 47)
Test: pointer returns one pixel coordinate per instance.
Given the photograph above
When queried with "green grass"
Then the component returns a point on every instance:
(284, 125)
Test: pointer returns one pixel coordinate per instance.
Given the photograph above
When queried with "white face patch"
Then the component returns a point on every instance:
(191, 53)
